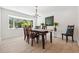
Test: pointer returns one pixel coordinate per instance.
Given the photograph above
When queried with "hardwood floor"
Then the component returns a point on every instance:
(18, 45)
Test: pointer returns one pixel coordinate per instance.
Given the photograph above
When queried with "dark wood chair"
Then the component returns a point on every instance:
(69, 32)
(33, 36)
(26, 34)
(29, 34)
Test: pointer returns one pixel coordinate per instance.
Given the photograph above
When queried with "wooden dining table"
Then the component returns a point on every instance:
(43, 32)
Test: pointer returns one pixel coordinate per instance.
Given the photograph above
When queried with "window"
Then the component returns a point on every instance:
(19, 22)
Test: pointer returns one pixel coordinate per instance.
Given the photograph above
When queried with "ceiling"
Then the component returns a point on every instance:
(42, 10)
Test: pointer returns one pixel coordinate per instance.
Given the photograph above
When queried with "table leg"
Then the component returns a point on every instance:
(43, 41)
(51, 37)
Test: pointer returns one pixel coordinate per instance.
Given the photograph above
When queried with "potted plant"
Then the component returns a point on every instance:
(55, 24)
(26, 24)
(42, 24)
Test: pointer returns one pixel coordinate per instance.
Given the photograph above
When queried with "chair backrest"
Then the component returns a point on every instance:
(70, 30)
(26, 30)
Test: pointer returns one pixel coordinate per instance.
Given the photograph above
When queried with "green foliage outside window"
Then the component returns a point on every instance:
(19, 23)
(24, 23)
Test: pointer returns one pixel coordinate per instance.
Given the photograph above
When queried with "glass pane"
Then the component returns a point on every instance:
(10, 22)
(18, 23)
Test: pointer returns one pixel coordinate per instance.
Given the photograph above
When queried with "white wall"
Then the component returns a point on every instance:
(0, 23)
(11, 33)
(64, 16)
(78, 25)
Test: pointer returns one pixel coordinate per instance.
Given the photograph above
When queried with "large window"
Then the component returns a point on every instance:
(18, 22)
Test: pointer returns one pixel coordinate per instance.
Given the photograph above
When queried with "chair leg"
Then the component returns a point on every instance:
(28, 39)
(31, 42)
(62, 36)
(72, 39)
(37, 39)
(66, 38)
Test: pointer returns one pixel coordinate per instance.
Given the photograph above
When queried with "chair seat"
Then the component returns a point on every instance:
(69, 32)
(66, 34)
(34, 35)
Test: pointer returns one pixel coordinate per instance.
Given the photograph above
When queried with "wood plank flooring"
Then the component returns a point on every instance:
(18, 45)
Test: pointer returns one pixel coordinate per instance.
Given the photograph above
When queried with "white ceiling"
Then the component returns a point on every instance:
(42, 10)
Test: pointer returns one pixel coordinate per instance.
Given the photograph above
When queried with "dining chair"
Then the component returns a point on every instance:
(26, 34)
(69, 32)
(30, 35)
(33, 36)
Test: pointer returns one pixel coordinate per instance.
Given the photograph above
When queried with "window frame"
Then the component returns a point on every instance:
(22, 18)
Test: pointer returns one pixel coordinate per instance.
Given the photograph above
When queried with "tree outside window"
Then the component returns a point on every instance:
(19, 23)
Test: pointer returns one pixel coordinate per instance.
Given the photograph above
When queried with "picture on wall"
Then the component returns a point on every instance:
(49, 21)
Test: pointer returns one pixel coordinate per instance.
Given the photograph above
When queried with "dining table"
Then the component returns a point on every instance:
(43, 32)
